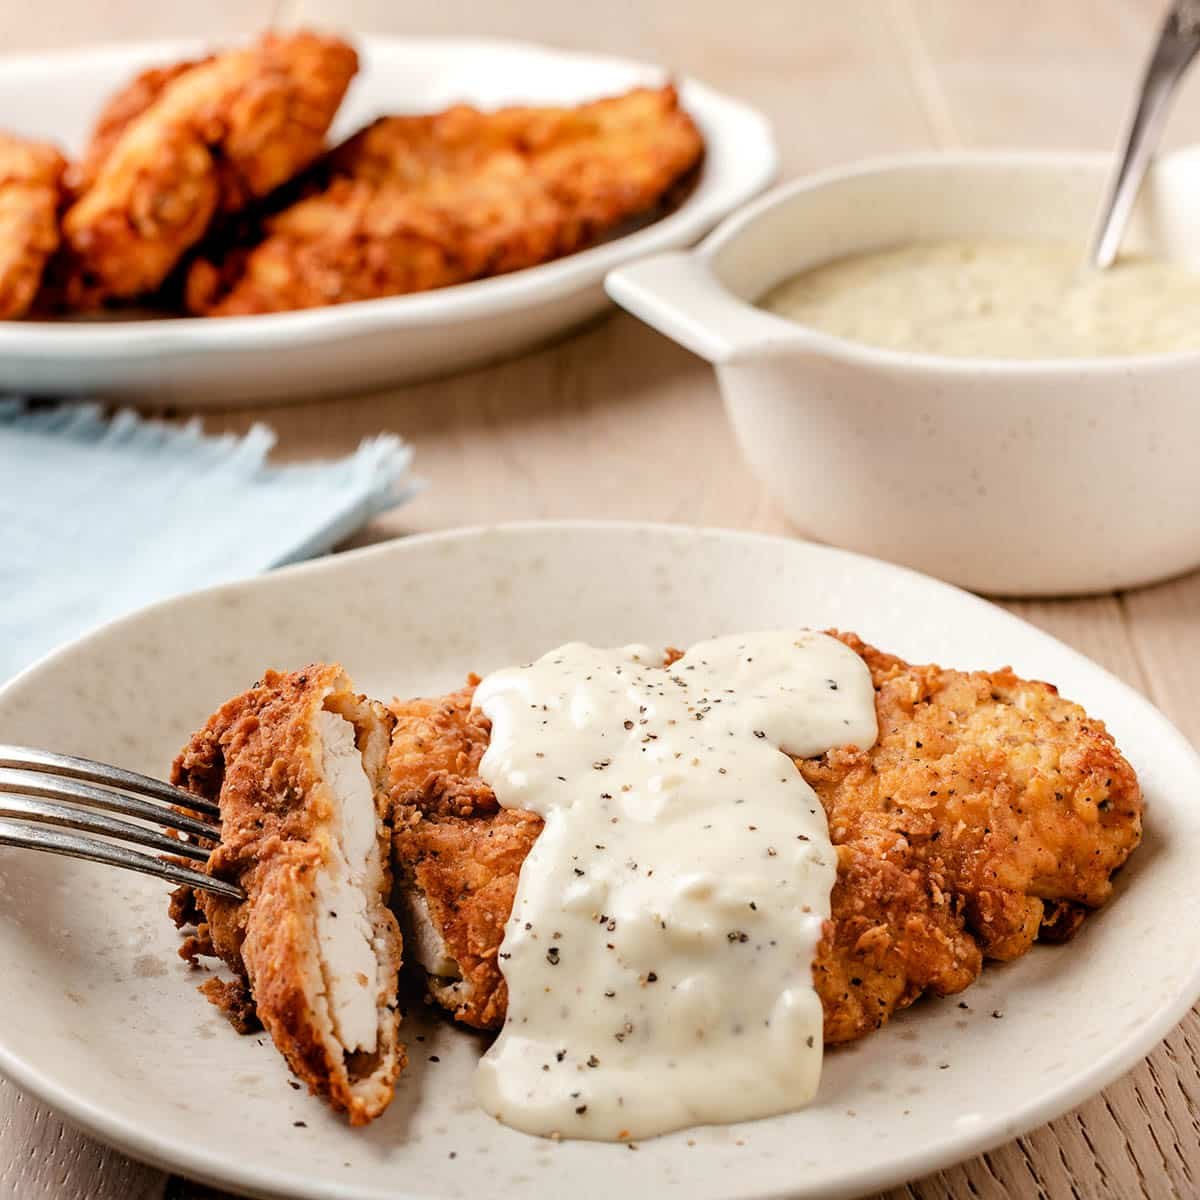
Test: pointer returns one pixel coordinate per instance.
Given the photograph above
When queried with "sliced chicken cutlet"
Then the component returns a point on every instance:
(298, 767)
(989, 811)
(31, 175)
(457, 853)
(181, 145)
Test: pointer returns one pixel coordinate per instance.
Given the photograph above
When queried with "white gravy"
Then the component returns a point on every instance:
(659, 953)
(991, 298)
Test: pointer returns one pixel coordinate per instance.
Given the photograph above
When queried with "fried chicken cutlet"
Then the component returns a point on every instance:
(297, 765)
(414, 203)
(31, 177)
(989, 813)
(119, 112)
(183, 144)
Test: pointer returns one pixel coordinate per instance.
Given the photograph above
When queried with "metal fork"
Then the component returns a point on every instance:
(43, 794)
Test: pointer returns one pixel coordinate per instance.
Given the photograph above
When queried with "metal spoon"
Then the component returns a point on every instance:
(1176, 47)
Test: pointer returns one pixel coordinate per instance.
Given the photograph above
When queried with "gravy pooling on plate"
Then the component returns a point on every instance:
(995, 298)
(659, 953)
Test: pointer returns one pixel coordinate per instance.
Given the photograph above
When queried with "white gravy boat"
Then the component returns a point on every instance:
(1011, 477)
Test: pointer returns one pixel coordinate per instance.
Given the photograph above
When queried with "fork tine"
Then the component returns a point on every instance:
(51, 763)
(30, 783)
(44, 812)
(58, 841)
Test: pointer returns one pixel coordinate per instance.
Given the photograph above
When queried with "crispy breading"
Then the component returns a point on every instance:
(456, 846)
(989, 809)
(119, 112)
(1011, 795)
(31, 182)
(260, 757)
(210, 139)
(414, 203)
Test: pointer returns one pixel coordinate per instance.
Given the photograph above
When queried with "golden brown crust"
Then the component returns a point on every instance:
(31, 188)
(234, 1003)
(120, 111)
(1007, 793)
(259, 756)
(894, 934)
(413, 203)
(455, 844)
(989, 812)
(189, 143)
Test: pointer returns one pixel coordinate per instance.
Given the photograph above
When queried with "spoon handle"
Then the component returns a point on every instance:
(1176, 47)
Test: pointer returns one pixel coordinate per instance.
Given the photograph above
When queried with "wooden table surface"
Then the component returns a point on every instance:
(615, 421)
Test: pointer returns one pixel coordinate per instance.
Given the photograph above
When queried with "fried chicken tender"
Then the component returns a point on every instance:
(31, 182)
(297, 765)
(414, 203)
(990, 811)
(180, 146)
(121, 110)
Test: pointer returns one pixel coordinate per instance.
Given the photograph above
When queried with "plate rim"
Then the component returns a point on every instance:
(441, 307)
(252, 1178)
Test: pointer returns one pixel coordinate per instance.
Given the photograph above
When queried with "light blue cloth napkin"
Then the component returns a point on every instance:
(100, 516)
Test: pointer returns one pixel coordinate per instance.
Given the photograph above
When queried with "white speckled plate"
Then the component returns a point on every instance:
(102, 1021)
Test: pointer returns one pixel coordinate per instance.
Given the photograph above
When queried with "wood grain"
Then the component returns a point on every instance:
(40, 1156)
(615, 421)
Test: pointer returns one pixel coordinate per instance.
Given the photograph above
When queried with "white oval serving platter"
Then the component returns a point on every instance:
(224, 362)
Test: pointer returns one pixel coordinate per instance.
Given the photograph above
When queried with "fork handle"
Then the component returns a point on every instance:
(1177, 44)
